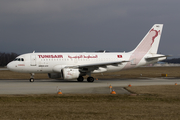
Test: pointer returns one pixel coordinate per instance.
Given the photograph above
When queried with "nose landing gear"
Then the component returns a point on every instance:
(32, 78)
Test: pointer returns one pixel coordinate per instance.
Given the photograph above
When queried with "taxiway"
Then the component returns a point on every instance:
(74, 87)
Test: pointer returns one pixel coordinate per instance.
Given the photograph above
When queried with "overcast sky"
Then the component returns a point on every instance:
(86, 25)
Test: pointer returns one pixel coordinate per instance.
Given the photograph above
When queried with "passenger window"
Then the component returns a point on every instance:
(22, 59)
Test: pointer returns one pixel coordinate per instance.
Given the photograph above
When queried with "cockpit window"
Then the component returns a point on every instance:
(15, 59)
(19, 59)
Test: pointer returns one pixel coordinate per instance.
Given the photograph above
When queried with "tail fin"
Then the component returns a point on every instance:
(150, 42)
(148, 45)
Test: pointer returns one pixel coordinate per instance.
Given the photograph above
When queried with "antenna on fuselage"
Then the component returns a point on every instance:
(34, 51)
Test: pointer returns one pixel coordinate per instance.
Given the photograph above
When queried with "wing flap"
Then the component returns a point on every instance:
(102, 64)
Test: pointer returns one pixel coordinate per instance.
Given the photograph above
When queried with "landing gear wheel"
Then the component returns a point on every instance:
(32, 77)
(90, 79)
(80, 79)
(31, 80)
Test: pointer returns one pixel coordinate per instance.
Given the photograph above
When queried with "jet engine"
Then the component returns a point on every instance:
(68, 73)
(54, 75)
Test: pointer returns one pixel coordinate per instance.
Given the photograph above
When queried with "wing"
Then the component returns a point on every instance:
(95, 66)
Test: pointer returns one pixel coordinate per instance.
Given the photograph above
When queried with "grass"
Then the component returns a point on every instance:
(163, 90)
(148, 104)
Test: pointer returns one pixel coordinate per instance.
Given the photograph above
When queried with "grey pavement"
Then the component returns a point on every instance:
(74, 87)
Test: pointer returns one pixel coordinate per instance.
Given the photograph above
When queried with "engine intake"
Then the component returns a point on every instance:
(68, 73)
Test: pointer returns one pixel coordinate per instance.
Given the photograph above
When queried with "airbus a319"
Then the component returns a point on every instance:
(76, 65)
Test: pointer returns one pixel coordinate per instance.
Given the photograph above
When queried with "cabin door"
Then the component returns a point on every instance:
(33, 60)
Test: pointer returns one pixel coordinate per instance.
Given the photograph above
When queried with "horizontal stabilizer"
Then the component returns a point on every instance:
(153, 58)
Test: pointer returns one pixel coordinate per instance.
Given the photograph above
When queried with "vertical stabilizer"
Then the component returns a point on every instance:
(150, 42)
(148, 45)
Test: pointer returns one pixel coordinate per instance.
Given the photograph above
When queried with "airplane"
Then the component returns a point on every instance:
(72, 65)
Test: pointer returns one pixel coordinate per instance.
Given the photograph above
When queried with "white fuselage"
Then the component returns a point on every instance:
(46, 62)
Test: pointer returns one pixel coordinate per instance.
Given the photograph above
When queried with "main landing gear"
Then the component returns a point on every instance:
(89, 79)
(32, 78)
(80, 79)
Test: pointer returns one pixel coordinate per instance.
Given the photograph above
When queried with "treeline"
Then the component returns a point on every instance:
(174, 60)
(5, 58)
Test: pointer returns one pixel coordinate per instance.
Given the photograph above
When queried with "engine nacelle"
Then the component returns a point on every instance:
(69, 73)
(58, 68)
(54, 75)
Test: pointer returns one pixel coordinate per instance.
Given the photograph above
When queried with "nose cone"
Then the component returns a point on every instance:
(10, 66)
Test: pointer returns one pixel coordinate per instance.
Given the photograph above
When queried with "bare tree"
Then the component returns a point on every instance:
(5, 58)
